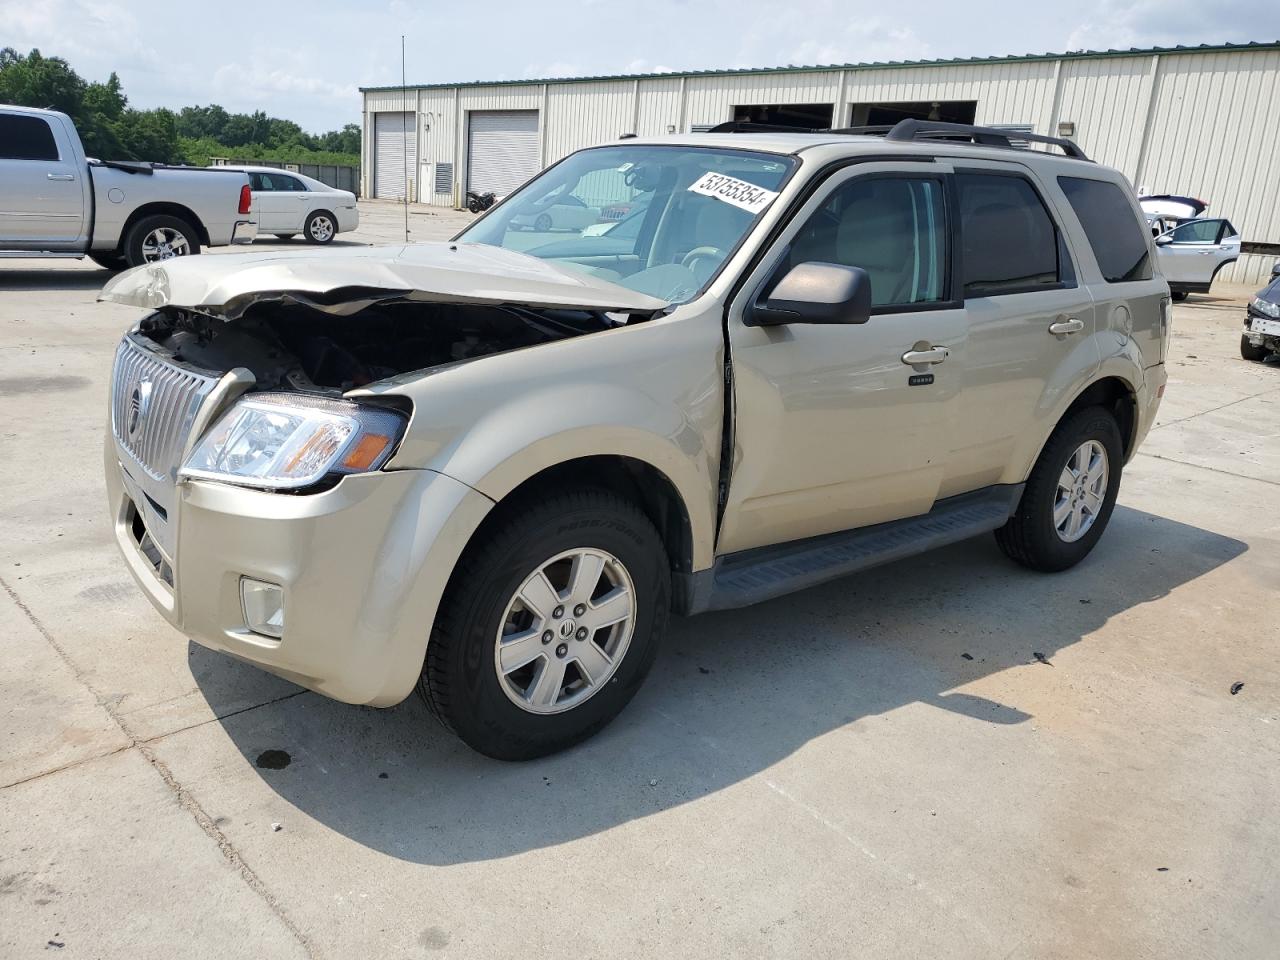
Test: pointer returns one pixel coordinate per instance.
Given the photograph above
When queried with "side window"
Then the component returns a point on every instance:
(1011, 244)
(26, 138)
(258, 182)
(1114, 233)
(892, 227)
(292, 184)
(1197, 231)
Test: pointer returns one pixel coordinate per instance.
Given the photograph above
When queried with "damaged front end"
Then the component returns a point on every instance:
(326, 324)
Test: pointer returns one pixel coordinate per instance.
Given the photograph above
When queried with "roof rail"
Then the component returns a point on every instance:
(912, 129)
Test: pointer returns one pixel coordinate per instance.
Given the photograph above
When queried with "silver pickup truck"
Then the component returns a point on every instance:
(55, 202)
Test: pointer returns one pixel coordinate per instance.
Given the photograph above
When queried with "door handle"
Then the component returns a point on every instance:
(932, 355)
(60, 176)
(1069, 325)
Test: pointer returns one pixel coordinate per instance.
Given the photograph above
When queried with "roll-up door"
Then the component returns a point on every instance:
(502, 149)
(393, 135)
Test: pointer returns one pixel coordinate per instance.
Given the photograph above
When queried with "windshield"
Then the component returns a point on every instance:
(656, 219)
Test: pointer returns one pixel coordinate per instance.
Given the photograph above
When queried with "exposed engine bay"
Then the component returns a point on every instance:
(292, 346)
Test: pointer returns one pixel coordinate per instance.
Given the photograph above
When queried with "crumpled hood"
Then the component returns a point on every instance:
(346, 281)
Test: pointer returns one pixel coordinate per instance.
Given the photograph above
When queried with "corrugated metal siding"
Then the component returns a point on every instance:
(1214, 135)
(587, 115)
(710, 100)
(1208, 116)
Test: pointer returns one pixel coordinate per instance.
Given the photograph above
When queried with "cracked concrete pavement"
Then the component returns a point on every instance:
(948, 756)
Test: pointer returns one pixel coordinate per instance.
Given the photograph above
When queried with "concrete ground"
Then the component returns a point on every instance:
(948, 756)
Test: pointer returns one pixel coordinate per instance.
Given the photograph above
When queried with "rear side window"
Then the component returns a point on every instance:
(1197, 231)
(26, 138)
(1011, 244)
(1117, 238)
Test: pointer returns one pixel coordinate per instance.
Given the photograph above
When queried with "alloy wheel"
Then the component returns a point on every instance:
(565, 631)
(164, 243)
(1082, 491)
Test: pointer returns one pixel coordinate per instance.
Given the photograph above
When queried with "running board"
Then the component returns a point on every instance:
(40, 255)
(752, 576)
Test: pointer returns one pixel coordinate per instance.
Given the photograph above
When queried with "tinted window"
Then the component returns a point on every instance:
(258, 182)
(1010, 242)
(26, 138)
(893, 228)
(1197, 231)
(1114, 233)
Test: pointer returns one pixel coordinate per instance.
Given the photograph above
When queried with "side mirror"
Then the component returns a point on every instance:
(1275, 270)
(1163, 239)
(815, 293)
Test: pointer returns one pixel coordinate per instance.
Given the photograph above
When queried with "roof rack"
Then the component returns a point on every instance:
(911, 129)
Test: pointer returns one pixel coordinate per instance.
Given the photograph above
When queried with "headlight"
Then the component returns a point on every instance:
(1266, 307)
(284, 441)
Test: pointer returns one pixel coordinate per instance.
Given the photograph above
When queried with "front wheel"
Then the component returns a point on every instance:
(550, 622)
(1251, 351)
(543, 223)
(1069, 496)
(160, 237)
(320, 227)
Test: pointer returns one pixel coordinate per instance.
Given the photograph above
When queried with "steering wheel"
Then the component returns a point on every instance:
(698, 253)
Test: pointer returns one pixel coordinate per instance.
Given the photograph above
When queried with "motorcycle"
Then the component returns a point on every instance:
(479, 202)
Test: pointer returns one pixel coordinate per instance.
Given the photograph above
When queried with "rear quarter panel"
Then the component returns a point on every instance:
(211, 196)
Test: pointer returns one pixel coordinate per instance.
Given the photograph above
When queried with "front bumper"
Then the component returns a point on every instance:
(245, 231)
(1261, 330)
(362, 567)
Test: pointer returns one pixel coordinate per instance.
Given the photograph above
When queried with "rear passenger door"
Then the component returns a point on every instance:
(834, 428)
(1191, 253)
(1030, 323)
(41, 193)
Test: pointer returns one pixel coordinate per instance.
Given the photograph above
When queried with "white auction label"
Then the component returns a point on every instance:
(732, 190)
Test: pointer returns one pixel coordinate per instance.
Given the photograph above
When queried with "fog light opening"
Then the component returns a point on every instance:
(263, 607)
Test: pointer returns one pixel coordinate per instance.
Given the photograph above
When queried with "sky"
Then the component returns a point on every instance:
(305, 61)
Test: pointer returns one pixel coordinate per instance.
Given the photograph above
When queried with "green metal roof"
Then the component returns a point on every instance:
(880, 65)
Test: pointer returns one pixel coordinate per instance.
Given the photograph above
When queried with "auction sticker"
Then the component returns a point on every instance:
(731, 190)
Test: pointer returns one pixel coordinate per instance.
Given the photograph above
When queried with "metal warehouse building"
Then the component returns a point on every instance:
(1186, 120)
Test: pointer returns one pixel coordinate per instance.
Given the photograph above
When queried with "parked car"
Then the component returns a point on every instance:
(289, 203)
(492, 474)
(1192, 253)
(54, 202)
(563, 212)
(1261, 336)
(1172, 206)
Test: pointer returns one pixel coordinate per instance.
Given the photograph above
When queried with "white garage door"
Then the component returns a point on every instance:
(393, 135)
(502, 150)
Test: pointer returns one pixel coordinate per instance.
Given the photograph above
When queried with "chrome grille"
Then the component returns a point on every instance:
(153, 406)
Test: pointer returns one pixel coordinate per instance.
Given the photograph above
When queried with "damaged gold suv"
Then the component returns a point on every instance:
(491, 468)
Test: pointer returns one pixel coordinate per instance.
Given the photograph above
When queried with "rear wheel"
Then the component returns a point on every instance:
(160, 237)
(1251, 352)
(1069, 496)
(321, 227)
(1178, 295)
(550, 622)
(543, 223)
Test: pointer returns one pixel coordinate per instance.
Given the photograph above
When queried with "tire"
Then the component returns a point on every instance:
(1178, 295)
(461, 680)
(109, 261)
(1031, 536)
(1250, 352)
(182, 240)
(321, 227)
(285, 236)
(543, 223)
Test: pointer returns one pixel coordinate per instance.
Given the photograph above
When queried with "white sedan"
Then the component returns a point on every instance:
(288, 203)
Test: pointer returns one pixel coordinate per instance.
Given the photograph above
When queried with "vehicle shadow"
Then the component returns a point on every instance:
(86, 277)
(731, 694)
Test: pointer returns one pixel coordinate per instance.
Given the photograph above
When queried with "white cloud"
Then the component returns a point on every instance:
(1120, 24)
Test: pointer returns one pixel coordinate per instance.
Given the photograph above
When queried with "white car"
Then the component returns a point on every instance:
(1192, 253)
(558, 213)
(288, 203)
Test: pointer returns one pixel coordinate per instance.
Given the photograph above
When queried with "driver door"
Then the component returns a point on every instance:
(1192, 252)
(833, 428)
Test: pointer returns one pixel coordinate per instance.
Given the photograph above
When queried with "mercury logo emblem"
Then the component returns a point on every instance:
(566, 629)
(139, 401)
